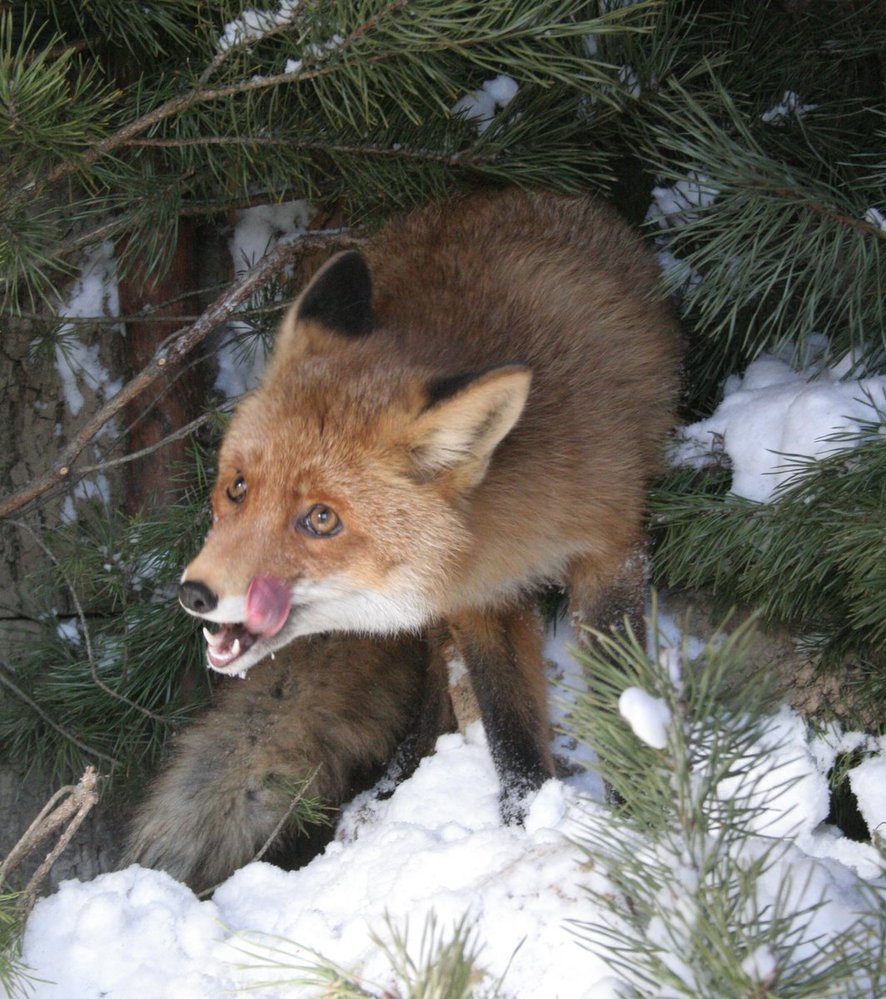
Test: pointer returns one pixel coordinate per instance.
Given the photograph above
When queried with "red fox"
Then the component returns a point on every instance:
(330, 709)
(467, 409)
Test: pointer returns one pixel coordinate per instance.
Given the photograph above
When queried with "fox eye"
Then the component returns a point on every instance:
(319, 521)
(236, 491)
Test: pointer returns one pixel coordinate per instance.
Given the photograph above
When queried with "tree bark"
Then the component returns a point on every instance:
(174, 401)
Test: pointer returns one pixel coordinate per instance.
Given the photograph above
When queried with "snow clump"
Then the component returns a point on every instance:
(480, 105)
(775, 415)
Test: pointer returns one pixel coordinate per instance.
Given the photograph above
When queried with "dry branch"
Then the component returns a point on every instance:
(65, 810)
(179, 345)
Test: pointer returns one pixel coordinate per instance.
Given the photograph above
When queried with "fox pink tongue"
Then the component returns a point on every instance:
(267, 605)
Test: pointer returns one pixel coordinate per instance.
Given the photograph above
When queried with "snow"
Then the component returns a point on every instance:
(137, 933)
(69, 630)
(791, 764)
(436, 849)
(253, 24)
(648, 716)
(256, 231)
(566, 682)
(789, 104)
(775, 413)
(93, 293)
(96, 487)
(868, 781)
(760, 964)
(480, 105)
(676, 204)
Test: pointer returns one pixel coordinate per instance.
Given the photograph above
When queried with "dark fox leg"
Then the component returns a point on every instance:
(502, 651)
(605, 597)
(434, 718)
(611, 601)
(329, 710)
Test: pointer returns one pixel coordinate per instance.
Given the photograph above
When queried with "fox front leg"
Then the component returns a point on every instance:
(434, 717)
(611, 596)
(502, 652)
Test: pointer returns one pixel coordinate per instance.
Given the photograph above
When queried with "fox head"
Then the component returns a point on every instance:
(344, 483)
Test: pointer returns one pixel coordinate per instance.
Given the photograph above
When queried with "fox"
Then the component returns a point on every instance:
(329, 716)
(465, 409)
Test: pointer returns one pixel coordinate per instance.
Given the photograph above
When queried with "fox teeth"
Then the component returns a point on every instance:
(213, 638)
(235, 648)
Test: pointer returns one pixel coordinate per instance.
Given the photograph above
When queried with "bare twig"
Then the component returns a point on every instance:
(69, 805)
(182, 342)
(124, 459)
(399, 152)
(794, 196)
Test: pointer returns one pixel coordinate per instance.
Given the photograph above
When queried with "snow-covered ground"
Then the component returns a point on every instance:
(775, 414)
(437, 849)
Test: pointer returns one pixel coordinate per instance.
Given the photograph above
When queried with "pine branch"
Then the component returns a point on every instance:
(385, 66)
(482, 28)
(8, 679)
(13, 974)
(127, 568)
(690, 899)
(777, 250)
(446, 965)
(84, 626)
(142, 32)
(810, 561)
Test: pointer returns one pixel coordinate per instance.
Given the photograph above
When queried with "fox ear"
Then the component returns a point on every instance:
(465, 419)
(339, 297)
(336, 303)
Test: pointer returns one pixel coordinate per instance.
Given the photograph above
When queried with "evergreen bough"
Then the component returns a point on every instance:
(444, 967)
(691, 911)
(812, 561)
(123, 119)
(13, 974)
(103, 685)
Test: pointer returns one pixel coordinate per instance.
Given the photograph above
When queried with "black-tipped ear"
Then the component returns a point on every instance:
(440, 389)
(465, 419)
(340, 296)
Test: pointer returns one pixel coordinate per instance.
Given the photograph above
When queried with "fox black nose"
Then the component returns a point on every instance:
(197, 598)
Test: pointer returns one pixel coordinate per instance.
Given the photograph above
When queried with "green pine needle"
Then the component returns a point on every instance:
(812, 561)
(689, 910)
